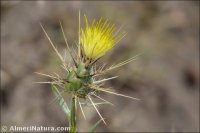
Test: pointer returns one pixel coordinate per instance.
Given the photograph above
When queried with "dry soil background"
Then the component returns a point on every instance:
(165, 77)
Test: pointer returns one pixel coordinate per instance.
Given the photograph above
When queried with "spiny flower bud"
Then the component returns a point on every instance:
(80, 80)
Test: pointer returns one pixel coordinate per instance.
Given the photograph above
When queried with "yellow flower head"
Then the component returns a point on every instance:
(98, 39)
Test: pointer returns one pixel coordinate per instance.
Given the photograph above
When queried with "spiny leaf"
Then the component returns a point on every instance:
(61, 100)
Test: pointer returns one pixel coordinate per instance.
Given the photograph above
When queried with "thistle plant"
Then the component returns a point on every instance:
(82, 78)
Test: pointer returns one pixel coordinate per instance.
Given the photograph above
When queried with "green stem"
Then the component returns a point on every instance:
(73, 127)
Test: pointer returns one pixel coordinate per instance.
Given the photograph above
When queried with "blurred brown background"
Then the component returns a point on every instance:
(165, 77)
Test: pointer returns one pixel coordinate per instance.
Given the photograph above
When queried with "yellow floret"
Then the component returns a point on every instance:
(98, 39)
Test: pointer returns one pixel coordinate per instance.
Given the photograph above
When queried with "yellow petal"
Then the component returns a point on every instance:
(99, 38)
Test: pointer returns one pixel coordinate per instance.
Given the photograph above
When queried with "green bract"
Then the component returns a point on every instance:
(78, 81)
